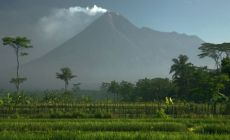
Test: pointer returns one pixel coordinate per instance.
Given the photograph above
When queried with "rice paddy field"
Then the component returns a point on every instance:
(212, 128)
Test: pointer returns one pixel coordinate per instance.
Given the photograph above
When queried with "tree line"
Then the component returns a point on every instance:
(188, 83)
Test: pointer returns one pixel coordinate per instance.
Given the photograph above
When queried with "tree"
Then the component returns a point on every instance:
(154, 89)
(18, 44)
(200, 89)
(104, 86)
(162, 87)
(126, 90)
(213, 51)
(181, 70)
(114, 88)
(225, 69)
(218, 83)
(226, 48)
(144, 90)
(65, 75)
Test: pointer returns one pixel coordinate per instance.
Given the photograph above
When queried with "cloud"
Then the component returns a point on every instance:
(62, 24)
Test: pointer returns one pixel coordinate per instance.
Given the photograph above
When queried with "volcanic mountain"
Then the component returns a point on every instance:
(111, 48)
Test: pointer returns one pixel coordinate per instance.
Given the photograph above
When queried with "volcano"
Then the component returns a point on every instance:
(111, 48)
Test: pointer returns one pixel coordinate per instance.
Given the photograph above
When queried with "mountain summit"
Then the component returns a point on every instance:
(111, 48)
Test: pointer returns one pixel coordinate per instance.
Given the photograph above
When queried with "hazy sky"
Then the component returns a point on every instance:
(208, 19)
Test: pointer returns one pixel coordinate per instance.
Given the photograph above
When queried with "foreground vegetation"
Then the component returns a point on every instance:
(116, 129)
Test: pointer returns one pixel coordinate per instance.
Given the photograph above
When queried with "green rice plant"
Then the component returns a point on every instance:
(72, 135)
(213, 129)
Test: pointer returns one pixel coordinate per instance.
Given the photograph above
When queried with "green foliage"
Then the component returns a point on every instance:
(65, 75)
(18, 44)
(213, 129)
(56, 96)
(119, 129)
(161, 114)
(144, 89)
(21, 99)
(219, 98)
(113, 87)
(8, 99)
(168, 101)
(225, 65)
(182, 70)
(126, 90)
(225, 69)
(154, 89)
(213, 51)
(51, 97)
(17, 99)
(200, 88)
(1, 102)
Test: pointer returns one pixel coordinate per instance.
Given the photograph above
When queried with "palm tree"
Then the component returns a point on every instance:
(18, 44)
(65, 75)
(180, 66)
(181, 70)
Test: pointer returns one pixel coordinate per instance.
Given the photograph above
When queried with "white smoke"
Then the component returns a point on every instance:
(62, 24)
(89, 11)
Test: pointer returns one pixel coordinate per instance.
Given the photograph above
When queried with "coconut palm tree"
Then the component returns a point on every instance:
(65, 75)
(182, 71)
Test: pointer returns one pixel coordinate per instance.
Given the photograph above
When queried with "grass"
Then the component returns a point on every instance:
(115, 129)
(78, 135)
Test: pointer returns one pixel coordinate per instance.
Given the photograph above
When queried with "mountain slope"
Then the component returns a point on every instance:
(112, 48)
